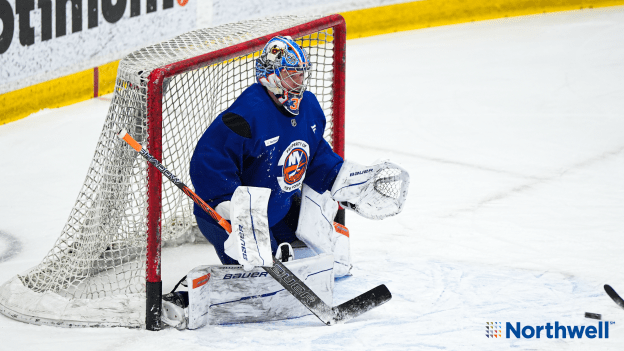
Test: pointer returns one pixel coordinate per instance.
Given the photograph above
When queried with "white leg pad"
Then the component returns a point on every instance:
(229, 294)
(250, 240)
(316, 229)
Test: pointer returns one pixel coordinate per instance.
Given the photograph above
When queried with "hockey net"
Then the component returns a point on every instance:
(106, 263)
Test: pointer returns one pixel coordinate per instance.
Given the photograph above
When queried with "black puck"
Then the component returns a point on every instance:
(593, 315)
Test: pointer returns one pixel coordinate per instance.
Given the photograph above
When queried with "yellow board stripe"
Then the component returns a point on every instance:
(360, 23)
(58, 92)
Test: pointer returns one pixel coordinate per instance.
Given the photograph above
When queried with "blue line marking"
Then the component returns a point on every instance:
(277, 320)
(248, 297)
(330, 223)
(329, 269)
(349, 186)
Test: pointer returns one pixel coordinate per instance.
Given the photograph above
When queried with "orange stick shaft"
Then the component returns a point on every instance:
(198, 200)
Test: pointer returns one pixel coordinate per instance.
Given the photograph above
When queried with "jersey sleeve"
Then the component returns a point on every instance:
(323, 168)
(216, 165)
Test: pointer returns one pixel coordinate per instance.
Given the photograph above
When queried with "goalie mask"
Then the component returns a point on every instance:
(284, 69)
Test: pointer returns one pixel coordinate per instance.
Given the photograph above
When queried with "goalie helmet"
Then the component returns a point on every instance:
(284, 69)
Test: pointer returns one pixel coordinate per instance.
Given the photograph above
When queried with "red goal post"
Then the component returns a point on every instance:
(166, 95)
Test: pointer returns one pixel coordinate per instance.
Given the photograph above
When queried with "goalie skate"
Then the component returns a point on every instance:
(173, 315)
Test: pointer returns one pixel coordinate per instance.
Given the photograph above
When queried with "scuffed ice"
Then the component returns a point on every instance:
(512, 133)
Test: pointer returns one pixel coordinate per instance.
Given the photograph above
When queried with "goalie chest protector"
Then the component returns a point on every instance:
(274, 150)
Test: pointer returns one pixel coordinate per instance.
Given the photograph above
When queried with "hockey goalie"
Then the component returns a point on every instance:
(264, 166)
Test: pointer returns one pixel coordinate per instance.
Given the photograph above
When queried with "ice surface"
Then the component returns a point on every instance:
(513, 133)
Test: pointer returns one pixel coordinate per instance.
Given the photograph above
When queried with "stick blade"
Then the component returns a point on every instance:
(614, 296)
(361, 304)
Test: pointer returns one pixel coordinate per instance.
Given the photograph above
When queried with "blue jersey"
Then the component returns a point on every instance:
(255, 143)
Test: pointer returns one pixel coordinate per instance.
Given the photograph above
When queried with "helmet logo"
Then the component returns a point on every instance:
(294, 163)
(276, 52)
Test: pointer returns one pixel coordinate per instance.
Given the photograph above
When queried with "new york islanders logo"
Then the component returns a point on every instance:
(294, 163)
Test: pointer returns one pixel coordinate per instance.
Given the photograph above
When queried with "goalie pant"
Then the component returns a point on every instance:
(315, 227)
(283, 231)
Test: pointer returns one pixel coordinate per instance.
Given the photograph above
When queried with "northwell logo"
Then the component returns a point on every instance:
(556, 331)
(493, 329)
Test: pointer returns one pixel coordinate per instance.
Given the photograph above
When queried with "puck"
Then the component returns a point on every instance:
(593, 315)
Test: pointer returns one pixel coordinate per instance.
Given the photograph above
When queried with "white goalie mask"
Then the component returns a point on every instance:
(284, 69)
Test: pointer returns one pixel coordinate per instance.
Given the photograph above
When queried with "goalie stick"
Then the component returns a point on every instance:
(614, 296)
(327, 314)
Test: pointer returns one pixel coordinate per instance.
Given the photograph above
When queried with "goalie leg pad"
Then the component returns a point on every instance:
(229, 294)
(250, 240)
(316, 229)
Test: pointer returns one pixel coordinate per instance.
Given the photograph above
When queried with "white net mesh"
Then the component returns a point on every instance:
(101, 252)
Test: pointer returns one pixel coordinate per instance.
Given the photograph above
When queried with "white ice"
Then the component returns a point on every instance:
(513, 132)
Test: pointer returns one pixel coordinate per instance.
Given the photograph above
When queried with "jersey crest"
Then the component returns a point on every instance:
(293, 164)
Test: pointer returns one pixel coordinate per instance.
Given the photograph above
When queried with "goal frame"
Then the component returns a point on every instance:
(155, 88)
